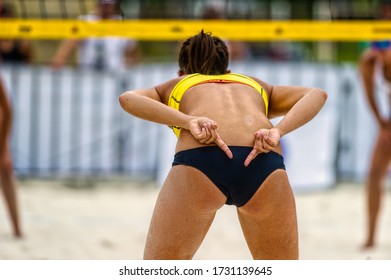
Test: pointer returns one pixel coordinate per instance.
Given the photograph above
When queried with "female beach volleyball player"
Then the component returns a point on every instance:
(227, 152)
(379, 54)
(7, 180)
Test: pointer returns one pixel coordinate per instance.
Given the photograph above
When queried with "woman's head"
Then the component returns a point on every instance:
(107, 8)
(204, 54)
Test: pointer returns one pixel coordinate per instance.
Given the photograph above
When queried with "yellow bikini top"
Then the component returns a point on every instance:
(194, 79)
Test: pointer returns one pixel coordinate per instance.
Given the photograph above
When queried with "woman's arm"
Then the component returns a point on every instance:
(298, 105)
(64, 51)
(146, 104)
(367, 71)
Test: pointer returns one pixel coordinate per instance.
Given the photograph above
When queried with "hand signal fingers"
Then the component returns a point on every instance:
(272, 142)
(261, 133)
(207, 136)
(268, 144)
(221, 144)
(212, 133)
(201, 135)
(206, 133)
(253, 154)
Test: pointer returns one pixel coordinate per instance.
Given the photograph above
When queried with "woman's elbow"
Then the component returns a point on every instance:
(125, 100)
(321, 94)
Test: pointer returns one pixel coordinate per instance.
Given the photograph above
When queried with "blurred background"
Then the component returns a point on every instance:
(68, 125)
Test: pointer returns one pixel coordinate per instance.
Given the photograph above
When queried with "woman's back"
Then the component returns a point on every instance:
(238, 109)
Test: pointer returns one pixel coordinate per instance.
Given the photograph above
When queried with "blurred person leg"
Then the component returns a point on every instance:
(269, 221)
(381, 158)
(7, 179)
(8, 187)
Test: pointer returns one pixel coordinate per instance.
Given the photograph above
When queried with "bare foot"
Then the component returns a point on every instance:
(18, 235)
(368, 245)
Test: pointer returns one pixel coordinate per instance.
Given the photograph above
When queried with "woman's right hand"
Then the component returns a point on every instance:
(204, 130)
(265, 140)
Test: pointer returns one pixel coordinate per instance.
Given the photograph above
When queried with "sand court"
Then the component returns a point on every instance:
(109, 220)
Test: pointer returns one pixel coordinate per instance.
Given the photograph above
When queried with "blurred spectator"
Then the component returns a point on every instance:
(13, 51)
(108, 53)
(7, 179)
(376, 59)
(238, 50)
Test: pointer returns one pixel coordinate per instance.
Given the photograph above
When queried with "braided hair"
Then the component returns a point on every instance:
(204, 54)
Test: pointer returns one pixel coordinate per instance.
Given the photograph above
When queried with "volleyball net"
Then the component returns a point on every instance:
(169, 30)
(252, 20)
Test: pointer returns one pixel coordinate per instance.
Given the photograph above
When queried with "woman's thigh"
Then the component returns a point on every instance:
(269, 220)
(184, 211)
(381, 155)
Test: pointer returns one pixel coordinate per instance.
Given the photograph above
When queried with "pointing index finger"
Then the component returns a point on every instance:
(221, 144)
(253, 154)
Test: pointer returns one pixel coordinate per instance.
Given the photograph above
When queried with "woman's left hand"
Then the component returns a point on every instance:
(204, 130)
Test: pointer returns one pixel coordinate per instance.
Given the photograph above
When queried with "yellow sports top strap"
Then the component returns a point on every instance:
(194, 79)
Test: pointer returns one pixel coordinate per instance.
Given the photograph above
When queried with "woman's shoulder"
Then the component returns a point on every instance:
(266, 86)
(164, 89)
